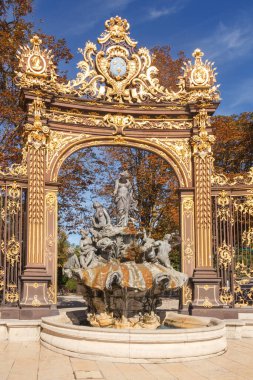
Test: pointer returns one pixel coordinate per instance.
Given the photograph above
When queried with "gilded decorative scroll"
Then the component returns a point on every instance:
(181, 149)
(57, 142)
(187, 241)
(247, 237)
(188, 229)
(2, 273)
(221, 179)
(13, 251)
(11, 293)
(187, 295)
(51, 201)
(95, 120)
(51, 242)
(226, 296)
(119, 122)
(223, 206)
(117, 72)
(13, 201)
(245, 207)
(225, 255)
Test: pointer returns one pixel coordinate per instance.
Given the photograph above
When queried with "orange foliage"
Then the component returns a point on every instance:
(15, 31)
(233, 149)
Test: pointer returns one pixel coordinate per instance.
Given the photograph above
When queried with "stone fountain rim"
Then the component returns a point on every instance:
(217, 325)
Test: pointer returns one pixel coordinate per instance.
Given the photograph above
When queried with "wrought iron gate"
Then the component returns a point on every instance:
(233, 245)
(12, 240)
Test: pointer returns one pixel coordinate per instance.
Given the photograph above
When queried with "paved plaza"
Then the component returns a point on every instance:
(30, 361)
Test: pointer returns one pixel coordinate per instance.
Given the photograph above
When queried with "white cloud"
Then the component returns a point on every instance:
(229, 42)
(155, 13)
(243, 94)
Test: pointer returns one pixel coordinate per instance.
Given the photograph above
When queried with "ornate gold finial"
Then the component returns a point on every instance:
(199, 79)
(198, 54)
(36, 67)
(117, 29)
(35, 40)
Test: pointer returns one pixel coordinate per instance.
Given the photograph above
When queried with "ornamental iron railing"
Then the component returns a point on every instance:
(12, 240)
(233, 245)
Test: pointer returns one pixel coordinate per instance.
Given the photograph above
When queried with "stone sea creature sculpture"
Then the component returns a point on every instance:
(101, 320)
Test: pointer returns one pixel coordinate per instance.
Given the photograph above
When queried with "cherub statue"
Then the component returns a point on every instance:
(88, 258)
(163, 249)
(101, 217)
(71, 263)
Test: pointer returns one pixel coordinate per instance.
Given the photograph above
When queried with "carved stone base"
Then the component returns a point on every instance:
(28, 313)
(35, 291)
(206, 286)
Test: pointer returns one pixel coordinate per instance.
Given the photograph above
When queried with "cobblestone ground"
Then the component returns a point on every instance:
(30, 361)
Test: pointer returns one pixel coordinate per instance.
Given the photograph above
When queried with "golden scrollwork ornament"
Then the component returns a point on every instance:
(13, 251)
(119, 122)
(223, 202)
(225, 255)
(226, 296)
(2, 272)
(118, 72)
(11, 294)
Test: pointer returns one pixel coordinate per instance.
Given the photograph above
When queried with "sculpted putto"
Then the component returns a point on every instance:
(101, 217)
(88, 258)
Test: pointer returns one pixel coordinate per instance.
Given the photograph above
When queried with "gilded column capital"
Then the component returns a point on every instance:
(36, 134)
(202, 143)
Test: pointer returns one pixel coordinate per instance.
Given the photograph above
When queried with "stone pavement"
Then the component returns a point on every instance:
(30, 361)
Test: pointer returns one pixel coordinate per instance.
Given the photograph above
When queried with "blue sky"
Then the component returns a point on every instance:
(222, 29)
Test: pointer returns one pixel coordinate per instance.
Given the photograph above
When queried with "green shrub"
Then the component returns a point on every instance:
(71, 285)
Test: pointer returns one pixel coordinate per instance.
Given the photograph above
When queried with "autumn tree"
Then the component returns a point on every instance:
(169, 68)
(233, 149)
(16, 30)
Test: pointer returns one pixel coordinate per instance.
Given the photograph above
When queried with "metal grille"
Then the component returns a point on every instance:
(233, 246)
(12, 243)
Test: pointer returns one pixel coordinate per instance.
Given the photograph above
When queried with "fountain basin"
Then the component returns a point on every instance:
(134, 345)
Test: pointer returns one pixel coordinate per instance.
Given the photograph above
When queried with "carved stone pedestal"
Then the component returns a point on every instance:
(206, 287)
(35, 291)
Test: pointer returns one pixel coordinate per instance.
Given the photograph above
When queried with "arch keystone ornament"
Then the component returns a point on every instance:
(115, 99)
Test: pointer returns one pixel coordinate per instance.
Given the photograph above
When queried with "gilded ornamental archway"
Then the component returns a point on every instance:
(115, 99)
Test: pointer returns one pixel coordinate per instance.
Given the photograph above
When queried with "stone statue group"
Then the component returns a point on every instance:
(104, 242)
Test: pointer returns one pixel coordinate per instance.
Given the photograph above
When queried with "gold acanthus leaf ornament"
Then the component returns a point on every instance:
(11, 294)
(221, 179)
(36, 134)
(13, 251)
(119, 72)
(117, 29)
(202, 143)
(225, 254)
(119, 122)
